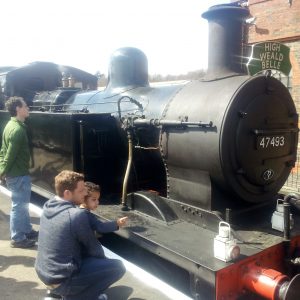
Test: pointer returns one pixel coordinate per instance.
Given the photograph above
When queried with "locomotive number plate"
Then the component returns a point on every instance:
(274, 141)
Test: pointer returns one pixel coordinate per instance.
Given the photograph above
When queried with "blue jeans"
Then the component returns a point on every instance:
(20, 188)
(94, 276)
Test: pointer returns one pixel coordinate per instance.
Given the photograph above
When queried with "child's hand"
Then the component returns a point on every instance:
(122, 221)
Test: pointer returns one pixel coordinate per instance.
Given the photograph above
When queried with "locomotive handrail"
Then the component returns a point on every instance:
(64, 106)
(157, 122)
(273, 131)
(74, 104)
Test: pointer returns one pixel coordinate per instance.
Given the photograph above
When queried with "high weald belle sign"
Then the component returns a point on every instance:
(269, 56)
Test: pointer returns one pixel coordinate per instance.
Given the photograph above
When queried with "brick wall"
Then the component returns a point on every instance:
(295, 74)
(293, 182)
(277, 20)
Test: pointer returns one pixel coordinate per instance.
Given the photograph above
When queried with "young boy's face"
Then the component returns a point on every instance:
(92, 201)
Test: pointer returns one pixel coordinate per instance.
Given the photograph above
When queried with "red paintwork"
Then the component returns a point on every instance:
(260, 273)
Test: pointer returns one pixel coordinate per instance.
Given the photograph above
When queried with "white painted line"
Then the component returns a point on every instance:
(5, 191)
(148, 279)
(143, 276)
(33, 208)
(37, 210)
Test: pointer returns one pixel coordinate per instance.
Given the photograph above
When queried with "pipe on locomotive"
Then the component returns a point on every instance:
(126, 177)
(130, 143)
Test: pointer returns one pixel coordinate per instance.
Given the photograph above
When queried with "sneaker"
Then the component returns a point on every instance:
(32, 235)
(102, 297)
(52, 296)
(26, 243)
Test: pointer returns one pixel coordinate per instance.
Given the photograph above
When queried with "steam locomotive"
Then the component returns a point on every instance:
(196, 165)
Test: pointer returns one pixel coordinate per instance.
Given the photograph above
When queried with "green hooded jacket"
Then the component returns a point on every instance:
(15, 153)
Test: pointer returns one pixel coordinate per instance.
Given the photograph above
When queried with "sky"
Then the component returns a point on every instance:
(85, 33)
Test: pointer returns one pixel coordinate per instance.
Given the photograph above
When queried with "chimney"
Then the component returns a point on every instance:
(225, 45)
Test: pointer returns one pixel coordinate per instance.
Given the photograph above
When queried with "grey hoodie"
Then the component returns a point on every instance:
(65, 236)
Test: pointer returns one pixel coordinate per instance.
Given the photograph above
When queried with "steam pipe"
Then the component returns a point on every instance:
(138, 104)
(126, 177)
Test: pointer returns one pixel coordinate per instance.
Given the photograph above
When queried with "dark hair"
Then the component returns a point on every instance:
(67, 180)
(12, 103)
(92, 187)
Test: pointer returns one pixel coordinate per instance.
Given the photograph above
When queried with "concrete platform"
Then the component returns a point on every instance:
(18, 280)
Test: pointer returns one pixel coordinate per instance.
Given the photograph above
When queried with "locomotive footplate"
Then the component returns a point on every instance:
(192, 245)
